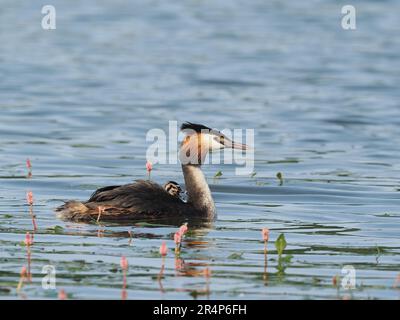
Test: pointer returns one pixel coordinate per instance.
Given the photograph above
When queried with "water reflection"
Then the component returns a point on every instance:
(161, 275)
(265, 273)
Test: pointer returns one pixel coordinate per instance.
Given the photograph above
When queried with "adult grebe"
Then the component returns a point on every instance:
(146, 199)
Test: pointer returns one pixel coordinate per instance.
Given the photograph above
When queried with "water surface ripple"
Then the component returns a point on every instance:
(324, 104)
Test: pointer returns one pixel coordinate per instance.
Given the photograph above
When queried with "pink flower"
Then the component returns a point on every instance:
(28, 164)
(29, 198)
(183, 229)
(28, 239)
(62, 295)
(177, 237)
(163, 249)
(265, 234)
(149, 166)
(124, 263)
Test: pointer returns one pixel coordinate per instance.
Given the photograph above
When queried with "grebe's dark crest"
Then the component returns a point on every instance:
(194, 127)
(147, 199)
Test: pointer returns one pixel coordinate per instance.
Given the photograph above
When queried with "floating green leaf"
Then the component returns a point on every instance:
(56, 229)
(218, 174)
(280, 244)
(236, 256)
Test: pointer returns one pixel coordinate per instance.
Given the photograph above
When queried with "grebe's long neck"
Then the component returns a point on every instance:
(199, 194)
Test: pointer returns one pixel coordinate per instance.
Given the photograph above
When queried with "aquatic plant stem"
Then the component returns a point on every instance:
(161, 274)
(178, 249)
(124, 265)
(130, 237)
(29, 166)
(28, 256)
(21, 279)
(265, 276)
(101, 210)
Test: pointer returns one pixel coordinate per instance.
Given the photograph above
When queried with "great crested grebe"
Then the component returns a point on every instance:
(147, 199)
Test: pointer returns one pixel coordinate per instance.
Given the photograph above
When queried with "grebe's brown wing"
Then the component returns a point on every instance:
(101, 190)
(125, 193)
(143, 196)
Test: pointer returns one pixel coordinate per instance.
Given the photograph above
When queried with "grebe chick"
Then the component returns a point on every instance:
(173, 188)
(146, 199)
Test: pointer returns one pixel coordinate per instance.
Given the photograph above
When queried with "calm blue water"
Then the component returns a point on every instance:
(324, 103)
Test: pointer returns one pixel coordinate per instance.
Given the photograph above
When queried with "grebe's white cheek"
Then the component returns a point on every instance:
(184, 155)
(213, 144)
